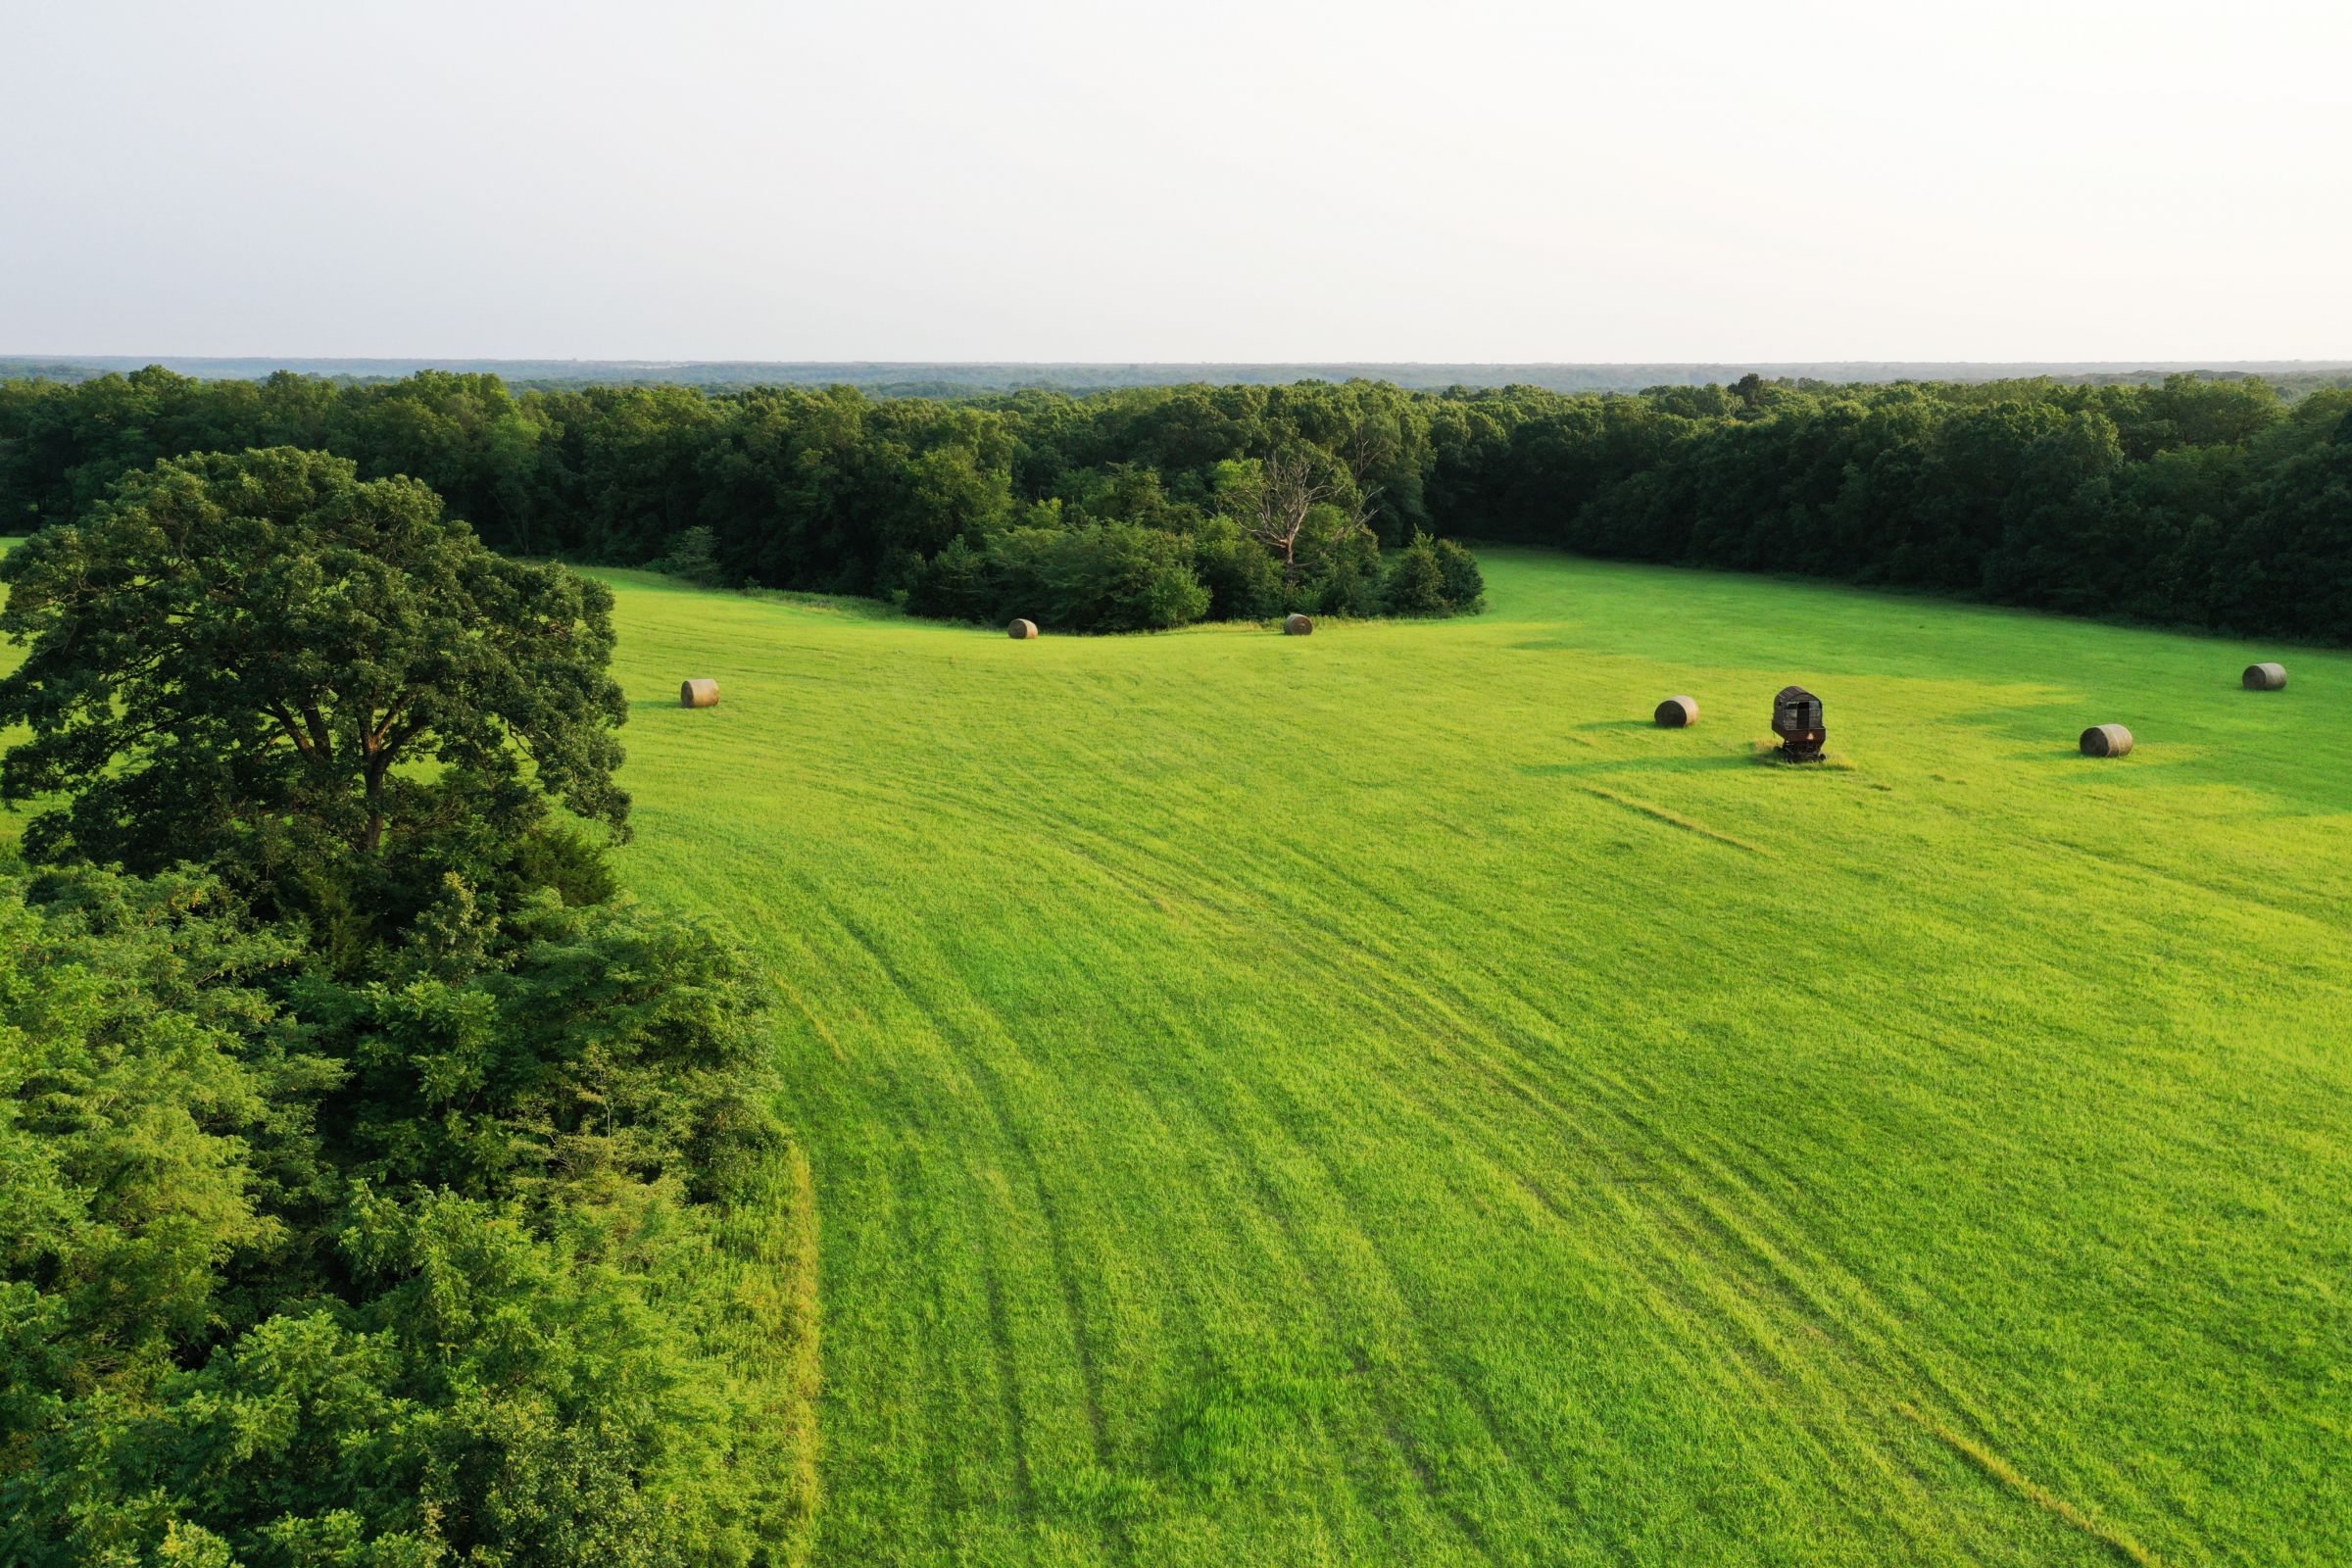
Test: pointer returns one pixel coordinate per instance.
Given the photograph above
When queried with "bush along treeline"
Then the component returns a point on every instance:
(2210, 503)
(376, 1185)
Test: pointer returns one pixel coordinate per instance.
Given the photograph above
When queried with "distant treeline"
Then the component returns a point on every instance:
(1126, 512)
(968, 378)
(2212, 503)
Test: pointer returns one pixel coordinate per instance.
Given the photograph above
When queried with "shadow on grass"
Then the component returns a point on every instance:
(667, 705)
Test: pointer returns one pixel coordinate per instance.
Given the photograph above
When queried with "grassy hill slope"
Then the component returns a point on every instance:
(1372, 1098)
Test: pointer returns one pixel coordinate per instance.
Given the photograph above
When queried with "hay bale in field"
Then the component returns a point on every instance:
(2106, 740)
(1021, 630)
(698, 694)
(1297, 626)
(2265, 677)
(1678, 712)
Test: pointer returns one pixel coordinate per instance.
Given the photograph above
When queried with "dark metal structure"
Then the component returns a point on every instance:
(1797, 721)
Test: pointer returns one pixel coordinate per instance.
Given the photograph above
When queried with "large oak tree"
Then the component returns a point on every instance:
(260, 661)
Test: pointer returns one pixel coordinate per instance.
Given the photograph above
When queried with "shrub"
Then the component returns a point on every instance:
(1347, 579)
(1120, 577)
(1103, 577)
(1465, 584)
(953, 585)
(567, 861)
(694, 557)
(1415, 584)
(1243, 578)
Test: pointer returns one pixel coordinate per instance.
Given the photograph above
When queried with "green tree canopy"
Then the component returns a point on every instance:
(385, 1275)
(260, 661)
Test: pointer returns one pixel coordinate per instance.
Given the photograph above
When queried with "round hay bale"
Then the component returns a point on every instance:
(1021, 630)
(1678, 712)
(698, 694)
(2106, 740)
(1297, 626)
(2265, 677)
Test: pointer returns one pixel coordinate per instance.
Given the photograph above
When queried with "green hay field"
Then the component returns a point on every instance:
(1373, 1098)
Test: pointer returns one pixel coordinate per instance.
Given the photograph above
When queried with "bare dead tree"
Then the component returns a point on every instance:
(1275, 506)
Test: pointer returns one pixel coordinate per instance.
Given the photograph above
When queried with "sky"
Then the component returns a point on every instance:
(1764, 181)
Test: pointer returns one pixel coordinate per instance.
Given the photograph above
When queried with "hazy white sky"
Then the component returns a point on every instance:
(1205, 180)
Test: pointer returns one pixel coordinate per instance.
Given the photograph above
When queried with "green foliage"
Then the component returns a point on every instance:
(312, 684)
(1415, 584)
(1244, 579)
(499, 1396)
(2076, 494)
(450, 1222)
(2150, 502)
(694, 557)
(1345, 576)
(800, 488)
(139, 1137)
(565, 860)
(1464, 586)
(405, 1272)
(611, 1041)
(1094, 577)
(960, 583)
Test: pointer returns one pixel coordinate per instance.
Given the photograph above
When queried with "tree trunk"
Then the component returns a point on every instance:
(372, 836)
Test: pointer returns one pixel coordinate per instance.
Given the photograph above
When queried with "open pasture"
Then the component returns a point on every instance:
(1377, 1098)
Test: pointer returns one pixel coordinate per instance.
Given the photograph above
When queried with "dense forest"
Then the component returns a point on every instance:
(2213, 503)
(381, 1188)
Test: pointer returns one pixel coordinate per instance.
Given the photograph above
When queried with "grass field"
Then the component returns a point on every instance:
(1372, 1098)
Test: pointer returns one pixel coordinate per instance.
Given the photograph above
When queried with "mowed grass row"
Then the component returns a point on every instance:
(1373, 1098)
